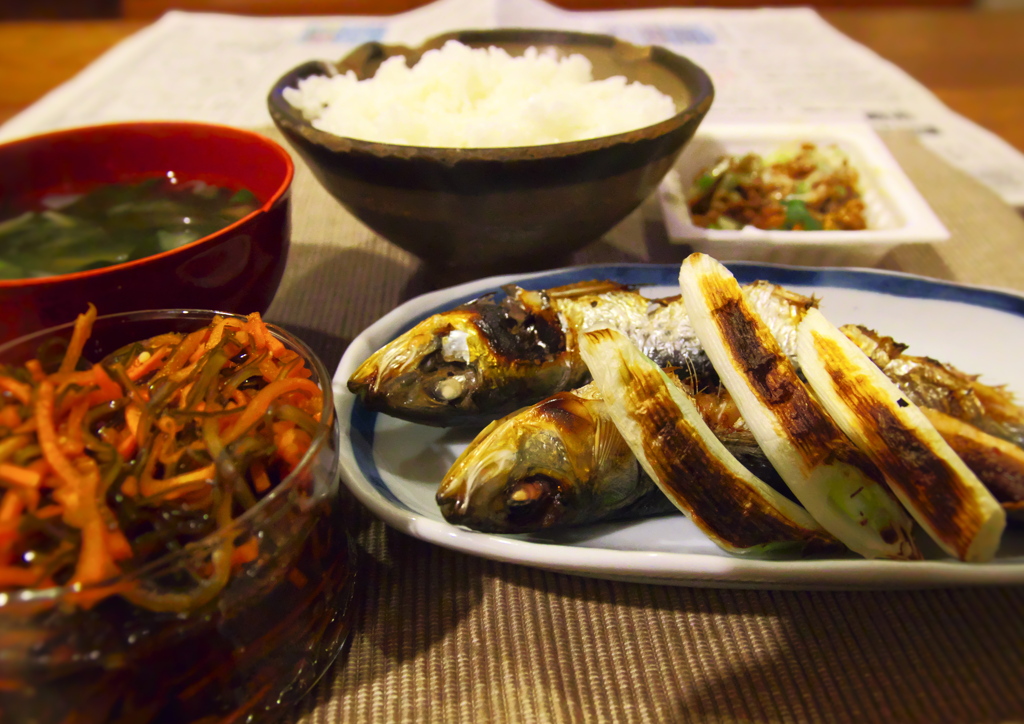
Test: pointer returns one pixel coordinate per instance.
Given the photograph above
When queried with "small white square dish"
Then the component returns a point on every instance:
(895, 212)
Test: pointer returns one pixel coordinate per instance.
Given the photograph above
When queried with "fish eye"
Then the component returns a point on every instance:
(444, 380)
(451, 388)
(532, 499)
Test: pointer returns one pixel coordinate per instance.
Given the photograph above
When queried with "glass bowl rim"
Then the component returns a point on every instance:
(168, 560)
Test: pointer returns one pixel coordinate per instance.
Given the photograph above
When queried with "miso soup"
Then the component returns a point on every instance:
(114, 223)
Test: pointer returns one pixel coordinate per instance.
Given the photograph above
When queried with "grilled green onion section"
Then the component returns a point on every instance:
(928, 477)
(834, 481)
(666, 432)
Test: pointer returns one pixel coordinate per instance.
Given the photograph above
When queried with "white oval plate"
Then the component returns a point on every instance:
(394, 466)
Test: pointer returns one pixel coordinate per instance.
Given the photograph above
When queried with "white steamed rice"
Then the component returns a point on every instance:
(461, 97)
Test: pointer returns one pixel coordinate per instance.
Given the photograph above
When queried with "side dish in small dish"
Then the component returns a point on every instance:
(797, 193)
(797, 187)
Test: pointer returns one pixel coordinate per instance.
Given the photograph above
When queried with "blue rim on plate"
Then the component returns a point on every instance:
(361, 473)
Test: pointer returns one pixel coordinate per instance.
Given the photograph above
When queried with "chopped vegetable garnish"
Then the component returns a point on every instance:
(798, 216)
(802, 188)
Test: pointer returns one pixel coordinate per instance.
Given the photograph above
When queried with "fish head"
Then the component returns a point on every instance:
(467, 366)
(525, 472)
(425, 372)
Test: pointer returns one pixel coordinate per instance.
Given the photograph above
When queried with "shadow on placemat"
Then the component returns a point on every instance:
(443, 636)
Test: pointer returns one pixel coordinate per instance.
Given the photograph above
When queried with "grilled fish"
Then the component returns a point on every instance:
(562, 462)
(497, 486)
(491, 356)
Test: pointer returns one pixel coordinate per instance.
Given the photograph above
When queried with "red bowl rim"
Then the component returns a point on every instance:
(259, 138)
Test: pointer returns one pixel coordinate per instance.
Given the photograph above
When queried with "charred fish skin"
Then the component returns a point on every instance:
(472, 364)
(489, 357)
(835, 481)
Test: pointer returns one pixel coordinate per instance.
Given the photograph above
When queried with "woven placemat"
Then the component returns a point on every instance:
(440, 636)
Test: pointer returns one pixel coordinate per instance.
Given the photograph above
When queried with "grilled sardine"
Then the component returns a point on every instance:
(562, 462)
(492, 356)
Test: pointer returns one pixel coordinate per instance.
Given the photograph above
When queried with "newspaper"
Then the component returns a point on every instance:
(782, 64)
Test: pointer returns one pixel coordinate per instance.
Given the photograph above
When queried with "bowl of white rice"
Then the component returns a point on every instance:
(493, 150)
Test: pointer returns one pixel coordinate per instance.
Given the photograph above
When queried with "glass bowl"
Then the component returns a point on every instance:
(249, 652)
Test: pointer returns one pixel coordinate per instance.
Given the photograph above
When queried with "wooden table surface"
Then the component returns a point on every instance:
(971, 59)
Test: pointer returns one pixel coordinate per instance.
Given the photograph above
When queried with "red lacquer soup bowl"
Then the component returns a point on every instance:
(236, 269)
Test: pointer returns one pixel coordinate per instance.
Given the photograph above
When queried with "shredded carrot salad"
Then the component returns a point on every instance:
(106, 467)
